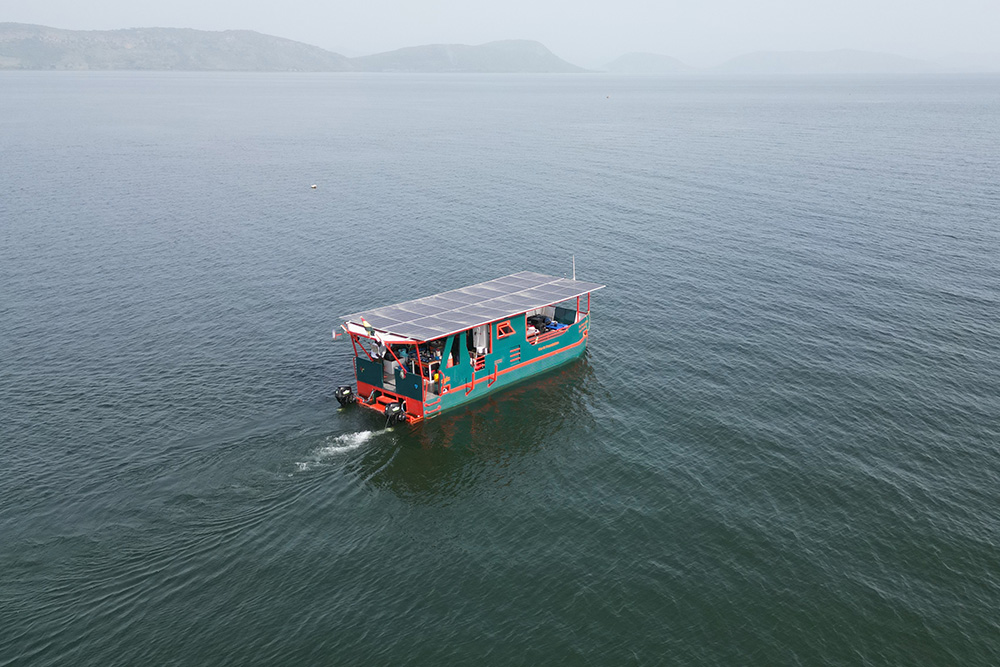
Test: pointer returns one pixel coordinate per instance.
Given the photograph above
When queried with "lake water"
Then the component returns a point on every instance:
(783, 446)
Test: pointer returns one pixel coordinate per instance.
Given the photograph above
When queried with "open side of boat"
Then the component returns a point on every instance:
(415, 359)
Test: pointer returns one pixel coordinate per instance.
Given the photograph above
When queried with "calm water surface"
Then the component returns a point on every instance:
(781, 448)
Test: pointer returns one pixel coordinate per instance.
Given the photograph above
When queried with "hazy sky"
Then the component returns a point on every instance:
(586, 33)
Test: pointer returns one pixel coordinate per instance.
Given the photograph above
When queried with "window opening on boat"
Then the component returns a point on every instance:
(389, 367)
(550, 321)
(430, 356)
(480, 343)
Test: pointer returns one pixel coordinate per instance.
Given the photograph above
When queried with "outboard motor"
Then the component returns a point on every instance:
(344, 395)
(394, 414)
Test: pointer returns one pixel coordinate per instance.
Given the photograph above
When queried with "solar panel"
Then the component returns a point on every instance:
(457, 310)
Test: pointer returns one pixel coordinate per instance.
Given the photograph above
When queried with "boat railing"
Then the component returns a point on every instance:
(548, 335)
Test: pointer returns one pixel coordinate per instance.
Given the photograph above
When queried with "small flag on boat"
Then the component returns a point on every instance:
(369, 328)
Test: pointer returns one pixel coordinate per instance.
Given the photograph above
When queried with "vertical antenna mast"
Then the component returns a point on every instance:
(574, 267)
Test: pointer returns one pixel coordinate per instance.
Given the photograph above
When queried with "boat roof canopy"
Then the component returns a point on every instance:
(448, 313)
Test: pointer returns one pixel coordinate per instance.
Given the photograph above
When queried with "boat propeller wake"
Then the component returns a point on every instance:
(337, 445)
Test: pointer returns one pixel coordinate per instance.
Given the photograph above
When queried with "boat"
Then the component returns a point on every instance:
(417, 359)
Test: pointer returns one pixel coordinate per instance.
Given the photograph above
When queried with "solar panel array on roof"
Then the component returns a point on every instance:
(449, 312)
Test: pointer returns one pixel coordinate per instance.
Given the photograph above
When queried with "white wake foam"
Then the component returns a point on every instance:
(336, 445)
(345, 443)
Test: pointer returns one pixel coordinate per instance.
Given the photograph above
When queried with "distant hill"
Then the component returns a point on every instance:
(823, 62)
(503, 56)
(38, 47)
(647, 63)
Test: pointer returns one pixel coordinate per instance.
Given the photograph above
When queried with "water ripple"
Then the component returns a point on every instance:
(780, 448)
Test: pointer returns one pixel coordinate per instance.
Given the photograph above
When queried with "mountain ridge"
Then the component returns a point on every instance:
(518, 55)
(24, 46)
(35, 47)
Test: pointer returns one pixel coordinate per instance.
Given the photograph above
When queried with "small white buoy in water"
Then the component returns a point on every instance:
(313, 186)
